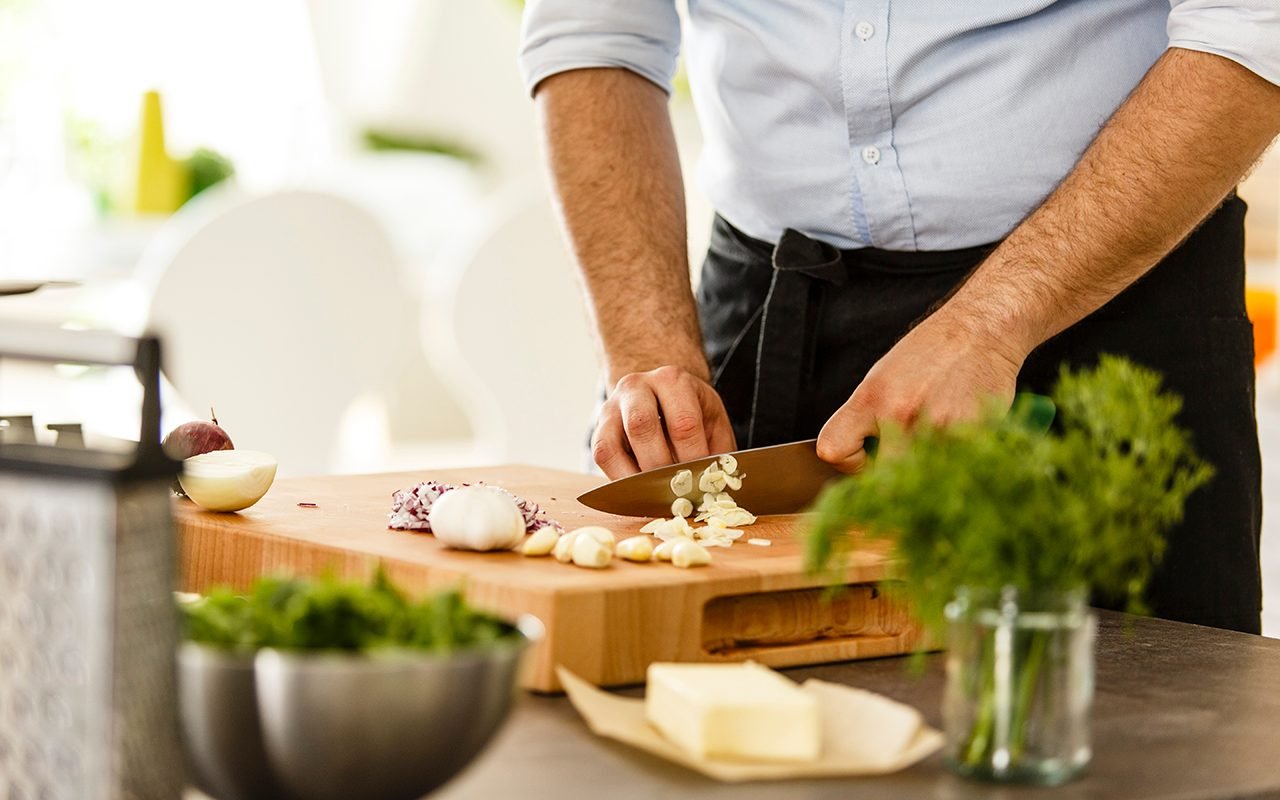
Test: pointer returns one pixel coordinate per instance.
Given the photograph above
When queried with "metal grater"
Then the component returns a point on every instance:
(88, 627)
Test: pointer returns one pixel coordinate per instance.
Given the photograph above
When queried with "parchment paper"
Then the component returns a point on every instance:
(863, 733)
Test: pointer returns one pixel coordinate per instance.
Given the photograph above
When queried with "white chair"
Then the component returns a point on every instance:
(513, 337)
(284, 312)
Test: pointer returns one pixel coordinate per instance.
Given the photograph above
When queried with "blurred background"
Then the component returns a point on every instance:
(334, 213)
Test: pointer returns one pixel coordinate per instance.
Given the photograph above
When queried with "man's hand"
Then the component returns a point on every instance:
(940, 371)
(1159, 166)
(659, 417)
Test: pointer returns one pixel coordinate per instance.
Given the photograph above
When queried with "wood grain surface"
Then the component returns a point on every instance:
(606, 625)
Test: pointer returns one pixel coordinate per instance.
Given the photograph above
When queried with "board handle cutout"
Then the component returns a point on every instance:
(801, 622)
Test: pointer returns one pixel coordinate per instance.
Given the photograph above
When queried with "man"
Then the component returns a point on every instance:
(919, 206)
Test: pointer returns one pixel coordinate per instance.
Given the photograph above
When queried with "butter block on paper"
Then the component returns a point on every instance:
(741, 711)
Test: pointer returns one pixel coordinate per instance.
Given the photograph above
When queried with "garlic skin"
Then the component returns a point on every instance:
(477, 518)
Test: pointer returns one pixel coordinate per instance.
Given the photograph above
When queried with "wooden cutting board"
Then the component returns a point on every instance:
(606, 625)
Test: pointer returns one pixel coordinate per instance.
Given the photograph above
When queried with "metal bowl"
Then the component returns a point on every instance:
(382, 726)
(223, 738)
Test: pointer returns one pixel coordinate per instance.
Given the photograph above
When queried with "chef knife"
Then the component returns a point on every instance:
(787, 477)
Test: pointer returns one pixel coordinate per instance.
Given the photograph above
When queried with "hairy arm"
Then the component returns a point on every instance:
(1186, 135)
(620, 195)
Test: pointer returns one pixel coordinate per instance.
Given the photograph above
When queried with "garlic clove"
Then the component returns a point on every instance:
(602, 535)
(636, 548)
(685, 554)
(541, 543)
(590, 552)
(563, 551)
(663, 551)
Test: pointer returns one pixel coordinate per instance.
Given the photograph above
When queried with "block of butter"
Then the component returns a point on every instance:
(742, 711)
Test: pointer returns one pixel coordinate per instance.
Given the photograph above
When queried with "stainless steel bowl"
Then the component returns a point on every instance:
(383, 726)
(220, 726)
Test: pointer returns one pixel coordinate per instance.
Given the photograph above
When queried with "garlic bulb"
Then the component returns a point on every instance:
(477, 518)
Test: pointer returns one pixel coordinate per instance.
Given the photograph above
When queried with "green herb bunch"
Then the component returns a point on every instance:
(329, 614)
(999, 503)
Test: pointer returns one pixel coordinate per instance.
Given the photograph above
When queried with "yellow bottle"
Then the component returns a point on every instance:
(161, 184)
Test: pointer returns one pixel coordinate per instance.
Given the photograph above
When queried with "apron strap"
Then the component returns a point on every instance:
(785, 325)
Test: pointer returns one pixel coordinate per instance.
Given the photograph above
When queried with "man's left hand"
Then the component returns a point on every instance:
(943, 371)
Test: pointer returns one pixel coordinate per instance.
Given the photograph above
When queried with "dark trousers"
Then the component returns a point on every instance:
(832, 316)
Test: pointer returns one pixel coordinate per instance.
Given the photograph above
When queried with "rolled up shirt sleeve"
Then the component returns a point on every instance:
(640, 35)
(1245, 31)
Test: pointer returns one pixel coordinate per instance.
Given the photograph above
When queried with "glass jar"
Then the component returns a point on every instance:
(1019, 684)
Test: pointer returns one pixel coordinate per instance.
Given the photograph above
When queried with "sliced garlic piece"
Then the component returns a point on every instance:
(541, 542)
(728, 463)
(760, 542)
(654, 526)
(636, 548)
(676, 528)
(681, 507)
(707, 482)
(682, 483)
(689, 554)
(733, 482)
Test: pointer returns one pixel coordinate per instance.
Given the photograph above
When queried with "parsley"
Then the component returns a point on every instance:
(999, 503)
(329, 614)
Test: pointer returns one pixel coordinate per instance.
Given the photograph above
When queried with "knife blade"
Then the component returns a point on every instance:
(780, 479)
(788, 477)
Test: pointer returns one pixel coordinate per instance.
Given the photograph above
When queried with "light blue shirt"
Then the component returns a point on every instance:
(899, 124)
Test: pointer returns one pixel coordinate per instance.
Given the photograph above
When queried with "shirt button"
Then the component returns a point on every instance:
(864, 30)
(871, 154)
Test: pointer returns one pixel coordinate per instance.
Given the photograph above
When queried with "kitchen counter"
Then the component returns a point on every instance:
(1181, 711)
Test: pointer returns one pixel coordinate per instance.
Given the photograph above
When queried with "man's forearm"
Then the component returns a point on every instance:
(616, 173)
(1168, 156)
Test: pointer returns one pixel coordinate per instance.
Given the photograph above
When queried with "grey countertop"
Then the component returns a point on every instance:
(1181, 711)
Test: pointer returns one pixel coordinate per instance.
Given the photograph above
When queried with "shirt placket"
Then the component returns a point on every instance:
(880, 207)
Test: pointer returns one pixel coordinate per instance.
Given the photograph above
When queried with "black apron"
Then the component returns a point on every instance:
(828, 315)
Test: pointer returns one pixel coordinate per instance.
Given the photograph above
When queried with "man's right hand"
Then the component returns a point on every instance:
(659, 417)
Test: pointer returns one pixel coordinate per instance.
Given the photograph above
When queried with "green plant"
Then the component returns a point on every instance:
(998, 503)
(329, 614)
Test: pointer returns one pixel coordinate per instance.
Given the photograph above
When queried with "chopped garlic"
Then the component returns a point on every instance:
(654, 526)
(682, 483)
(719, 513)
(760, 542)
